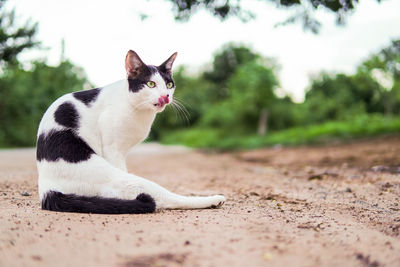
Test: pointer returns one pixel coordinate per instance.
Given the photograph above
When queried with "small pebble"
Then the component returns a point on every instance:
(25, 193)
(267, 256)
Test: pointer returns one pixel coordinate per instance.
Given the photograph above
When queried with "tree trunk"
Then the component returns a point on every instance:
(388, 104)
(263, 122)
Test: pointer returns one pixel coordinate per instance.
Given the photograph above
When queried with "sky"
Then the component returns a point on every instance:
(98, 34)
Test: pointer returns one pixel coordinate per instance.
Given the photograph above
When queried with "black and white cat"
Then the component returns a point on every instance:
(84, 137)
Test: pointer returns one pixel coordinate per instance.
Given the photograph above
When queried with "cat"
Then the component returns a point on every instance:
(84, 137)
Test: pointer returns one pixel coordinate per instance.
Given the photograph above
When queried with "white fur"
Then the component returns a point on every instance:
(115, 122)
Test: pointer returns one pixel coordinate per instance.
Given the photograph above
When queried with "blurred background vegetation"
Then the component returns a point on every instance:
(237, 103)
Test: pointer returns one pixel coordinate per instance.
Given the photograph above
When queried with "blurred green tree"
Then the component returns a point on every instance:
(252, 103)
(224, 65)
(387, 59)
(339, 97)
(26, 94)
(375, 88)
(14, 39)
(200, 94)
(384, 67)
(236, 96)
(184, 9)
(191, 100)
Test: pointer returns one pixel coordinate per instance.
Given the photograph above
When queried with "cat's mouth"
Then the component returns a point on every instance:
(162, 101)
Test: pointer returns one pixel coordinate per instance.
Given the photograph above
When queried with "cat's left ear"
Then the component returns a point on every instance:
(167, 65)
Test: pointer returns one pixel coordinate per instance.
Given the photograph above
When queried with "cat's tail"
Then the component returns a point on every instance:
(56, 201)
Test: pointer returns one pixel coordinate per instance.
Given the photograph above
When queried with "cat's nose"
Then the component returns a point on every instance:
(163, 100)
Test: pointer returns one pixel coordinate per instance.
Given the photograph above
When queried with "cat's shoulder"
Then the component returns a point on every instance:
(69, 108)
(87, 97)
(75, 100)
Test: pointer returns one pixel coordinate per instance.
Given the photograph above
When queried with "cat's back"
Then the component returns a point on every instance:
(69, 110)
(70, 121)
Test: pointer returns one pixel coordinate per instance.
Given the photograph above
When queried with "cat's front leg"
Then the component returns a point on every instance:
(112, 140)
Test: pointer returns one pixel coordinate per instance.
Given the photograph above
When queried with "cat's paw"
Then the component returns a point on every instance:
(217, 201)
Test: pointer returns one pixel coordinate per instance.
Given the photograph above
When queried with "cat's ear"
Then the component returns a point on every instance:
(167, 65)
(133, 64)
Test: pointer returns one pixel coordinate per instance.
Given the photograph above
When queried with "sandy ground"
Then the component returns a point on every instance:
(336, 205)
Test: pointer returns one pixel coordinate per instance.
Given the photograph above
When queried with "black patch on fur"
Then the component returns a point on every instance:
(56, 201)
(135, 85)
(138, 82)
(167, 77)
(64, 145)
(66, 115)
(87, 96)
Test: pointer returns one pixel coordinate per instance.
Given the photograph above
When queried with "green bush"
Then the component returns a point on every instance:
(360, 126)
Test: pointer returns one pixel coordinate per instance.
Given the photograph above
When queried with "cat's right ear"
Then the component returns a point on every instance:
(133, 64)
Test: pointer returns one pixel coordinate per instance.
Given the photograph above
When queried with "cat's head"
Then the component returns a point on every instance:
(150, 87)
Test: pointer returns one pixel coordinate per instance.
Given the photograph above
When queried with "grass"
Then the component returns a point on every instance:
(362, 126)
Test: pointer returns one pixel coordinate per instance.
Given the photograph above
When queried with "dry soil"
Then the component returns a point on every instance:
(335, 205)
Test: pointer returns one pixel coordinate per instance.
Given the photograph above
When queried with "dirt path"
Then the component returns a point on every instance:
(323, 206)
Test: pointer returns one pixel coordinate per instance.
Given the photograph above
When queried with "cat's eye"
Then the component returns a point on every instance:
(151, 84)
(170, 85)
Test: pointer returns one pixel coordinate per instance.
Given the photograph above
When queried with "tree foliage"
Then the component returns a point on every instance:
(251, 89)
(373, 89)
(26, 94)
(222, 104)
(184, 9)
(387, 60)
(340, 103)
(384, 67)
(225, 64)
(340, 97)
(203, 94)
(230, 96)
(14, 39)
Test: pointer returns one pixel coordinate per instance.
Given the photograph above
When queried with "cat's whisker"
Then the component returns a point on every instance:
(180, 103)
(184, 114)
(182, 108)
(176, 110)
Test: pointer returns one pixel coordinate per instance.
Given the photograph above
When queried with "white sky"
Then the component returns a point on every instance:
(99, 33)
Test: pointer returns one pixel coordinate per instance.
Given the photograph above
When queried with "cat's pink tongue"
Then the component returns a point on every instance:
(162, 100)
